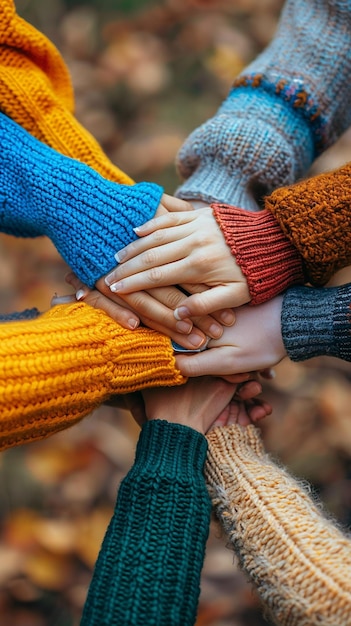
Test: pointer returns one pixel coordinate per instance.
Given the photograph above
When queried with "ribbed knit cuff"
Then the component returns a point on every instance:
(317, 322)
(255, 140)
(165, 448)
(266, 257)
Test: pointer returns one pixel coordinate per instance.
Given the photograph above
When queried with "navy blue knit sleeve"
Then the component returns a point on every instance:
(87, 217)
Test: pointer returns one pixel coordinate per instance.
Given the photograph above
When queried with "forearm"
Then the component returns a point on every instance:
(56, 369)
(317, 322)
(87, 217)
(36, 92)
(149, 567)
(298, 560)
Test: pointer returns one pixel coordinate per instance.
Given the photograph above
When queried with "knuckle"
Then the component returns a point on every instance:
(158, 236)
(155, 275)
(150, 257)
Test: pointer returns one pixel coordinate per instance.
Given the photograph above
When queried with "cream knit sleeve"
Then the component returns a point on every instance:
(299, 561)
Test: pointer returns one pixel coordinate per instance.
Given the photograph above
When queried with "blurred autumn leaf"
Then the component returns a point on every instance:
(146, 73)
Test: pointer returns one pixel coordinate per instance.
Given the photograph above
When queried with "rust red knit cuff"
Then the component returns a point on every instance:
(266, 257)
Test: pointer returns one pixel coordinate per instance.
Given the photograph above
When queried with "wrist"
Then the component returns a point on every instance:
(268, 260)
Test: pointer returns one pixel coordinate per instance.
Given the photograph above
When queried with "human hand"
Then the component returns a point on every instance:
(195, 404)
(245, 404)
(254, 343)
(178, 248)
(155, 310)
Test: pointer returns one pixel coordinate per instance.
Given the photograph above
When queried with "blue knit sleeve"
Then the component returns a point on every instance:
(87, 217)
(148, 570)
(286, 107)
(317, 322)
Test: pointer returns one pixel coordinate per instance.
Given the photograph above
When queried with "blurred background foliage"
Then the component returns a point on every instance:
(145, 74)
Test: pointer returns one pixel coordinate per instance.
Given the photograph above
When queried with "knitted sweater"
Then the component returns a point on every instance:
(290, 104)
(58, 368)
(86, 216)
(148, 570)
(299, 560)
(45, 382)
(317, 322)
(36, 92)
(302, 235)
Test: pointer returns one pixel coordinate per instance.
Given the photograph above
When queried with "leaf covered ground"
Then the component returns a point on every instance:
(146, 74)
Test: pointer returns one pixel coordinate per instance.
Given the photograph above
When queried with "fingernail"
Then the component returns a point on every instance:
(227, 317)
(181, 312)
(195, 340)
(116, 286)
(184, 327)
(80, 294)
(120, 255)
(108, 279)
(137, 229)
(133, 324)
(215, 331)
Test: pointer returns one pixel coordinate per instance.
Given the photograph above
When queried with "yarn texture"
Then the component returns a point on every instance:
(60, 367)
(286, 107)
(148, 570)
(299, 561)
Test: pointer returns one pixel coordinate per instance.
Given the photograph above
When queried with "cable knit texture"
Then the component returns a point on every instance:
(317, 322)
(58, 368)
(86, 216)
(36, 92)
(288, 105)
(148, 570)
(266, 257)
(299, 561)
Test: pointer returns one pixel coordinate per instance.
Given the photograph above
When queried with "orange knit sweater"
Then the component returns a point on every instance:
(56, 369)
(36, 92)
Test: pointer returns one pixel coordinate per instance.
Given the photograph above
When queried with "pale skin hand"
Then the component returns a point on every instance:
(254, 343)
(182, 247)
(155, 307)
(157, 303)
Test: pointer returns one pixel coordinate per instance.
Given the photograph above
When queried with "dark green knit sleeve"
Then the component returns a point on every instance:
(317, 322)
(148, 570)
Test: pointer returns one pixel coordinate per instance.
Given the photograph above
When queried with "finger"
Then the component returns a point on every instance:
(238, 413)
(173, 204)
(171, 297)
(158, 238)
(223, 316)
(148, 265)
(249, 390)
(214, 362)
(220, 297)
(118, 311)
(268, 373)
(259, 409)
(164, 221)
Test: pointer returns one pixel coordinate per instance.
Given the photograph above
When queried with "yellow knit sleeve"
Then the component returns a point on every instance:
(299, 560)
(36, 92)
(56, 369)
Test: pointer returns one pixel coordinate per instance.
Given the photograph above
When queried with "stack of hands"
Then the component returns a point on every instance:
(180, 278)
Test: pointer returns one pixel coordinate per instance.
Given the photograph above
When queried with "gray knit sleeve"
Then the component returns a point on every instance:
(285, 108)
(317, 322)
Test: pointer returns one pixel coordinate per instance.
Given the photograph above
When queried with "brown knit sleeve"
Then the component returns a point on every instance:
(299, 561)
(315, 215)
